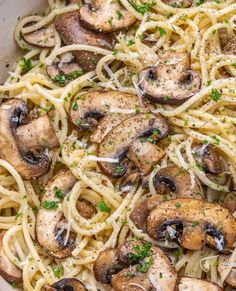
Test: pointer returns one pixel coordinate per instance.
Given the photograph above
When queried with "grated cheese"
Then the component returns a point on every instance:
(99, 159)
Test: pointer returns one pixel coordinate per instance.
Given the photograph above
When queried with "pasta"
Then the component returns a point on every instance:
(207, 117)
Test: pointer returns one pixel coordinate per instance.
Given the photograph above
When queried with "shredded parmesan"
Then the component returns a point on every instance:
(67, 233)
(107, 160)
(112, 75)
(153, 279)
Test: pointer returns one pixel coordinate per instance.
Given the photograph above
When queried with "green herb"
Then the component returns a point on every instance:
(74, 105)
(103, 207)
(25, 65)
(61, 79)
(217, 1)
(215, 95)
(208, 82)
(145, 7)
(57, 192)
(161, 275)
(176, 252)
(130, 42)
(161, 31)
(215, 263)
(58, 271)
(199, 2)
(119, 15)
(169, 15)
(14, 284)
(114, 52)
(49, 204)
(234, 65)
(144, 265)
(199, 166)
(129, 274)
(195, 223)
(124, 221)
(216, 140)
(183, 17)
(118, 169)
(141, 252)
(110, 21)
(34, 209)
(177, 205)
(166, 98)
(137, 109)
(19, 214)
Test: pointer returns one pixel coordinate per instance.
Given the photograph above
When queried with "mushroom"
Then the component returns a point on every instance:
(66, 284)
(145, 155)
(230, 202)
(106, 265)
(210, 222)
(128, 181)
(43, 37)
(21, 142)
(230, 46)
(7, 269)
(171, 81)
(85, 209)
(177, 182)
(106, 124)
(179, 3)
(152, 270)
(194, 284)
(117, 142)
(106, 16)
(98, 103)
(49, 226)
(223, 263)
(71, 31)
(212, 162)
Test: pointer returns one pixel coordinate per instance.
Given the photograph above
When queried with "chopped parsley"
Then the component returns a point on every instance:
(49, 204)
(57, 192)
(176, 252)
(216, 140)
(61, 79)
(208, 82)
(143, 8)
(74, 105)
(195, 223)
(215, 95)
(25, 65)
(114, 52)
(177, 205)
(58, 271)
(119, 15)
(130, 42)
(144, 265)
(19, 214)
(103, 207)
(118, 169)
(161, 31)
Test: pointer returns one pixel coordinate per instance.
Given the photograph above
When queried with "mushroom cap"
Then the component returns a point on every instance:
(171, 81)
(70, 284)
(49, 227)
(159, 276)
(118, 141)
(98, 103)
(106, 16)
(43, 37)
(223, 262)
(218, 224)
(194, 284)
(7, 269)
(230, 201)
(106, 265)
(12, 114)
(175, 181)
(72, 31)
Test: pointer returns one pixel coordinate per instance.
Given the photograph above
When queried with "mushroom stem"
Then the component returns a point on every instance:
(37, 134)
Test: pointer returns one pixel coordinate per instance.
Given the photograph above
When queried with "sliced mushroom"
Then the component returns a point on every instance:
(43, 37)
(106, 16)
(230, 46)
(171, 81)
(20, 140)
(50, 228)
(230, 201)
(106, 124)
(159, 276)
(98, 103)
(7, 269)
(176, 182)
(224, 263)
(71, 31)
(194, 284)
(85, 209)
(106, 265)
(128, 181)
(179, 3)
(145, 155)
(171, 217)
(118, 141)
(67, 284)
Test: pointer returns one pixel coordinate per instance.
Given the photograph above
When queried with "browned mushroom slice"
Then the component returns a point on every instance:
(128, 181)
(179, 3)
(176, 181)
(106, 16)
(171, 81)
(145, 155)
(230, 201)
(64, 72)
(118, 141)
(107, 123)
(85, 209)
(70, 284)
(25, 152)
(128, 253)
(193, 236)
(44, 37)
(194, 284)
(7, 269)
(153, 272)
(230, 46)
(71, 31)
(171, 217)
(224, 263)
(98, 103)
(106, 265)
(51, 231)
